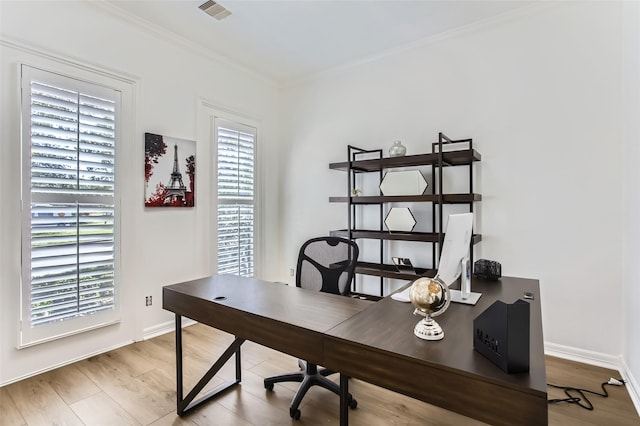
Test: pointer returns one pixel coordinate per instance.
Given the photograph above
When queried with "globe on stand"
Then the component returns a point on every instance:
(431, 297)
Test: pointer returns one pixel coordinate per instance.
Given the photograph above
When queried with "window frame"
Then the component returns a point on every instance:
(71, 77)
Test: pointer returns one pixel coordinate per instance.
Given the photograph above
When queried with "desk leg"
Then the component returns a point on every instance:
(179, 387)
(344, 400)
(187, 403)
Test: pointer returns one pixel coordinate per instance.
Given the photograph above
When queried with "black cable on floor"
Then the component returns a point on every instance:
(574, 399)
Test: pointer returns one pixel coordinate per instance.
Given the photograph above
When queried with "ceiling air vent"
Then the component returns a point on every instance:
(214, 9)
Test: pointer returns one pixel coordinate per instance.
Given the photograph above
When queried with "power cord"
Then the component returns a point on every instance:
(587, 405)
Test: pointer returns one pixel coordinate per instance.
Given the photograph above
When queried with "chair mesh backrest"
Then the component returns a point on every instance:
(327, 264)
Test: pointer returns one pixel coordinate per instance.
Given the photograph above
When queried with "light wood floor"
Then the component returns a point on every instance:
(135, 385)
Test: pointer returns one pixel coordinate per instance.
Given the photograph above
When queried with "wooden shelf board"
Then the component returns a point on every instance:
(385, 235)
(429, 237)
(379, 199)
(390, 271)
(450, 158)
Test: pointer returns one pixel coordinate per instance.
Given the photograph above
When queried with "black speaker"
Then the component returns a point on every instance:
(501, 333)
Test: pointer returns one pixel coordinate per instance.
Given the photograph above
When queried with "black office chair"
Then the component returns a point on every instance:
(324, 264)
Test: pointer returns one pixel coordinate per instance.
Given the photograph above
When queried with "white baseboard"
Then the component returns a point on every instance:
(632, 385)
(148, 333)
(581, 355)
(67, 362)
(164, 328)
(600, 360)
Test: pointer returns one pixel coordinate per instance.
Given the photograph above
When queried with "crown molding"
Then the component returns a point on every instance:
(423, 42)
(183, 42)
(65, 59)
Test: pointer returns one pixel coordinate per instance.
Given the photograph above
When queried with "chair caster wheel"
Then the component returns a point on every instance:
(353, 404)
(295, 414)
(268, 386)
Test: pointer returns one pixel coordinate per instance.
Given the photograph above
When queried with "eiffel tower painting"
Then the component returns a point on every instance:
(178, 190)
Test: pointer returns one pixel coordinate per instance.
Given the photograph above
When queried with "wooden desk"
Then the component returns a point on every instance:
(378, 346)
(373, 342)
(285, 318)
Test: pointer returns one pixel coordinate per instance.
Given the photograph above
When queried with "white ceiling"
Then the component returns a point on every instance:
(290, 40)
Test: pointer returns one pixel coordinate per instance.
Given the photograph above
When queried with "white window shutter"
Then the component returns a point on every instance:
(69, 191)
(236, 197)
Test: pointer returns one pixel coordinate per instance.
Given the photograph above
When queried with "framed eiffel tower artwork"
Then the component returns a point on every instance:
(169, 171)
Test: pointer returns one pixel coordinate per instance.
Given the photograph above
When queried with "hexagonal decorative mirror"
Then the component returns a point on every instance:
(409, 182)
(400, 219)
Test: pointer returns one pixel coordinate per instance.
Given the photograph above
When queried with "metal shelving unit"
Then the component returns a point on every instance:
(444, 153)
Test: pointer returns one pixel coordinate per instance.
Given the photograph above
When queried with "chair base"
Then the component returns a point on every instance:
(307, 377)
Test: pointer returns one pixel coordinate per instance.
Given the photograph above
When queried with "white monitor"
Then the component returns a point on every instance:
(455, 254)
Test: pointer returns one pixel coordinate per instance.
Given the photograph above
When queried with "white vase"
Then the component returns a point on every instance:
(397, 149)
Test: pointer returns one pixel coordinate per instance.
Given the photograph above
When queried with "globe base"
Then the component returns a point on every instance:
(428, 329)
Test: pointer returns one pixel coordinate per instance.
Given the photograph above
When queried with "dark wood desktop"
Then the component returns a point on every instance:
(285, 318)
(378, 346)
(373, 342)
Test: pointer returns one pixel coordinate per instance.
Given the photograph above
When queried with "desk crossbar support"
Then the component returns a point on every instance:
(186, 404)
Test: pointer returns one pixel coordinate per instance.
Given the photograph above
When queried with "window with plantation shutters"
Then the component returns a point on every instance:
(236, 197)
(69, 209)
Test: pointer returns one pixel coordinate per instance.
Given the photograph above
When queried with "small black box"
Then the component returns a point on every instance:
(487, 269)
(501, 333)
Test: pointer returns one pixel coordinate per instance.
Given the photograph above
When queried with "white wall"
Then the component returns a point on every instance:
(631, 177)
(539, 92)
(546, 94)
(159, 247)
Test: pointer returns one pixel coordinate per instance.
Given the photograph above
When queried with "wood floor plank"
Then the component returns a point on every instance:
(254, 409)
(254, 384)
(39, 404)
(129, 361)
(166, 341)
(136, 384)
(143, 403)
(616, 408)
(205, 339)
(172, 419)
(195, 365)
(272, 367)
(10, 415)
(71, 384)
(101, 410)
(207, 415)
(155, 352)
